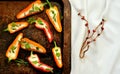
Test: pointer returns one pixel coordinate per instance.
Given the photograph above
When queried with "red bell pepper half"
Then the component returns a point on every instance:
(35, 62)
(43, 25)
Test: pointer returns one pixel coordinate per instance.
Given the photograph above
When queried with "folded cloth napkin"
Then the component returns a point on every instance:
(103, 55)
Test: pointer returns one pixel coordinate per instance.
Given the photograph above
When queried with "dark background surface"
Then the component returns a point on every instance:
(8, 11)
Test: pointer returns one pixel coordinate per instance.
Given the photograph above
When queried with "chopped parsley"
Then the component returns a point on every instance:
(40, 22)
(13, 49)
(31, 20)
(21, 61)
(35, 62)
(39, 64)
(54, 15)
(56, 50)
(34, 9)
(26, 44)
(58, 54)
(14, 25)
(50, 69)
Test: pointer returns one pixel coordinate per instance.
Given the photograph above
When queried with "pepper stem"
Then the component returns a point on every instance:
(31, 53)
(45, 3)
(55, 44)
(51, 71)
(31, 20)
(9, 59)
(6, 29)
(49, 3)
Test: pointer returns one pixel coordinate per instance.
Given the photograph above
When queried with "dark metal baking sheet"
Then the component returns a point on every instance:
(8, 11)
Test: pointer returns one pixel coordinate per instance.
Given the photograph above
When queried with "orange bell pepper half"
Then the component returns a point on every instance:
(54, 16)
(16, 26)
(56, 51)
(13, 49)
(30, 45)
(33, 8)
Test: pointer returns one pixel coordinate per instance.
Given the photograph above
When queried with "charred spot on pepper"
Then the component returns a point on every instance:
(37, 48)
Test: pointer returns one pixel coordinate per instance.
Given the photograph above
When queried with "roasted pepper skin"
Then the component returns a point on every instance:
(13, 49)
(44, 26)
(54, 16)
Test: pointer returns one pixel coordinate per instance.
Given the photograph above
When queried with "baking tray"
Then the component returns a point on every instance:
(8, 11)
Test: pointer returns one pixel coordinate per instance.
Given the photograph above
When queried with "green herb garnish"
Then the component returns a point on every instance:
(13, 24)
(58, 54)
(21, 61)
(39, 64)
(40, 22)
(54, 15)
(31, 20)
(35, 62)
(51, 70)
(56, 50)
(27, 46)
(36, 8)
(13, 49)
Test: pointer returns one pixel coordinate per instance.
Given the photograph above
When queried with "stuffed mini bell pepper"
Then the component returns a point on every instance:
(35, 7)
(36, 63)
(43, 25)
(13, 49)
(16, 26)
(30, 45)
(56, 51)
(54, 16)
